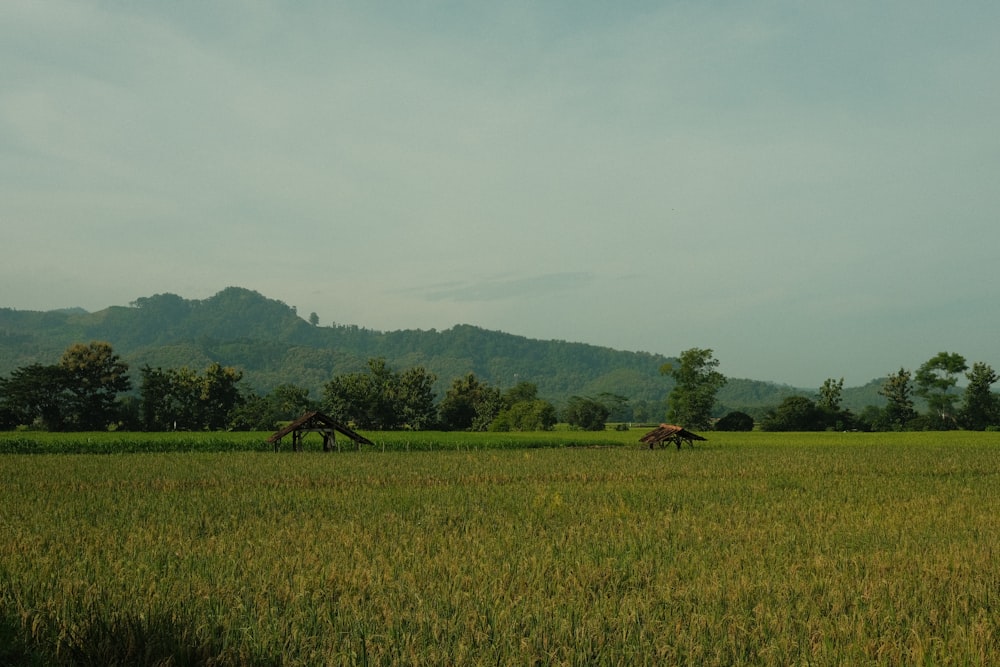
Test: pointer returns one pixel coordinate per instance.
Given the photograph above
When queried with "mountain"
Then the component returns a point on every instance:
(272, 345)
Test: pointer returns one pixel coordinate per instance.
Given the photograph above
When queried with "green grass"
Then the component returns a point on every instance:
(40, 442)
(749, 549)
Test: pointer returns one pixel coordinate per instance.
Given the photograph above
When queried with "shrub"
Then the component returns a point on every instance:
(735, 421)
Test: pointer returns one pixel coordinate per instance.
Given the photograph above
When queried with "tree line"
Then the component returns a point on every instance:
(692, 401)
(975, 407)
(90, 388)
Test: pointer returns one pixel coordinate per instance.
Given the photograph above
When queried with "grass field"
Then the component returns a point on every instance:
(40, 442)
(749, 549)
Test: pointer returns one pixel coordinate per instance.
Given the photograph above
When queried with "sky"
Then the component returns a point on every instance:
(809, 189)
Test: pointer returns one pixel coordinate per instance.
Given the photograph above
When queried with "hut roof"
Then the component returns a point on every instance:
(317, 421)
(669, 433)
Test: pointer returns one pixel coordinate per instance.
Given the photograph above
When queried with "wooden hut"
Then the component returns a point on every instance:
(665, 433)
(317, 422)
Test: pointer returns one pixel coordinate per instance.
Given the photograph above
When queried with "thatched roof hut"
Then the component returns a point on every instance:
(665, 433)
(316, 422)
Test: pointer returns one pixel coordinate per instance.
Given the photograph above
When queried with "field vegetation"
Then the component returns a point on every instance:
(752, 548)
(125, 442)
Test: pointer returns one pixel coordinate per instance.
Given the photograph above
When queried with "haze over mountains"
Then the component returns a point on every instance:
(273, 344)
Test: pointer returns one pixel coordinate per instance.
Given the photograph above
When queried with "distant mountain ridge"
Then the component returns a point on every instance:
(272, 344)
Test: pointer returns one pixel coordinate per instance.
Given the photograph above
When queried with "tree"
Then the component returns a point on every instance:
(156, 399)
(899, 409)
(489, 405)
(831, 414)
(314, 319)
(8, 418)
(415, 396)
(617, 405)
(796, 413)
(586, 413)
(830, 395)
(220, 394)
(290, 402)
(182, 399)
(378, 396)
(94, 375)
(981, 407)
(284, 403)
(382, 399)
(35, 394)
(360, 398)
(80, 392)
(693, 397)
(872, 418)
(535, 415)
(521, 392)
(935, 382)
(458, 407)
(643, 410)
(522, 410)
(254, 413)
(469, 404)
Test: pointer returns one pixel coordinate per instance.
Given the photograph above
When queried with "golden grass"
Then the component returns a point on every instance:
(751, 549)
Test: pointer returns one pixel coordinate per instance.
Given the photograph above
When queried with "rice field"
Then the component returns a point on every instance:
(40, 442)
(750, 549)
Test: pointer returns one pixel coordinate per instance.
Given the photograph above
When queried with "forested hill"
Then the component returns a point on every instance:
(272, 344)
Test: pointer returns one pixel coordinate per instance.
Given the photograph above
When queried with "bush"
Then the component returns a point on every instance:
(586, 414)
(735, 421)
(796, 413)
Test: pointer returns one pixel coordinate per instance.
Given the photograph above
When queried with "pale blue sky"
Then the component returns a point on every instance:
(810, 189)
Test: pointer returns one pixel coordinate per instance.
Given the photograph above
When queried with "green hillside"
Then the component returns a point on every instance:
(272, 344)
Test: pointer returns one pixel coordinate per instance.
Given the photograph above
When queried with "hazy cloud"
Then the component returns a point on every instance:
(809, 189)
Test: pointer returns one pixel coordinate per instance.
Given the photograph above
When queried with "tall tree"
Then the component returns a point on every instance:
(981, 407)
(186, 409)
(35, 394)
(415, 395)
(220, 394)
(935, 382)
(95, 375)
(469, 404)
(899, 408)
(379, 387)
(693, 397)
(155, 399)
(488, 406)
(830, 395)
(829, 411)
